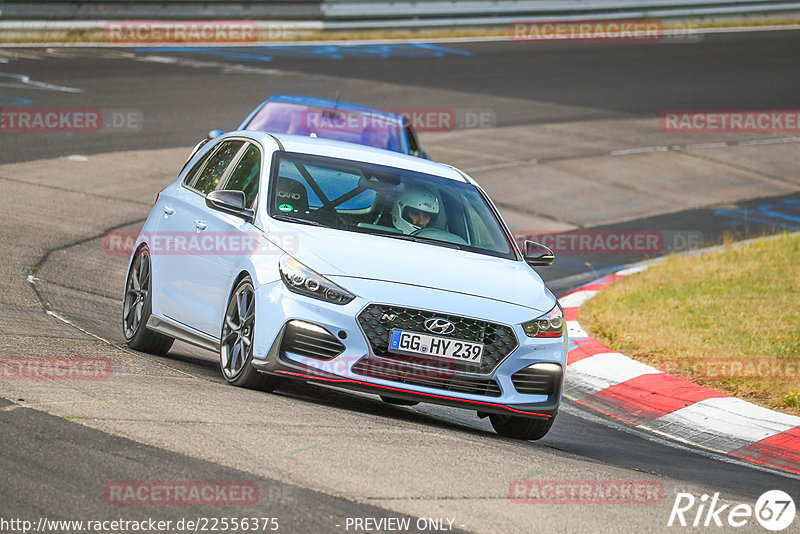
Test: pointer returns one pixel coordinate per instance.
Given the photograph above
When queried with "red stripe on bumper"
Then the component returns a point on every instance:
(360, 383)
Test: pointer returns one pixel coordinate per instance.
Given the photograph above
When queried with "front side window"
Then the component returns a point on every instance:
(217, 164)
(245, 175)
(386, 201)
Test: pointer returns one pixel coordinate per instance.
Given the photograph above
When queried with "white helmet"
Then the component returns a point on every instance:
(419, 199)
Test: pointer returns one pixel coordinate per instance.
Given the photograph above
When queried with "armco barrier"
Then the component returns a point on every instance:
(160, 10)
(365, 14)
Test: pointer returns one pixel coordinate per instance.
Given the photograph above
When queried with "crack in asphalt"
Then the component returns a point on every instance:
(36, 267)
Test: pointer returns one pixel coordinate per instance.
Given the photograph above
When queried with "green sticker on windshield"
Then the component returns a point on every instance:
(285, 207)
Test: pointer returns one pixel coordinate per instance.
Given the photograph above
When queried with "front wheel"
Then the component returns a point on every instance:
(137, 307)
(236, 342)
(510, 426)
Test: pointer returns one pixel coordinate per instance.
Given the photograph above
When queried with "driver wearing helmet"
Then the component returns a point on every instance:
(415, 209)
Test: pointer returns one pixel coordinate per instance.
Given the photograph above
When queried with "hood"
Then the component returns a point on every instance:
(349, 254)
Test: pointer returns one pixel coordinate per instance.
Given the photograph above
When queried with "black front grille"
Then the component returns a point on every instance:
(378, 320)
(420, 375)
(531, 381)
(309, 342)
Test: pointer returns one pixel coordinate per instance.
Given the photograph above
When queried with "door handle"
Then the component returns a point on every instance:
(168, 211)
(200, 225)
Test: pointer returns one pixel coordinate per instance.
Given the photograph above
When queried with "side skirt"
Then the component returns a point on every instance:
(182, 332)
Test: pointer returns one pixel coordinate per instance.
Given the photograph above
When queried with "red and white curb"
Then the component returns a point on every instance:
(642, 396)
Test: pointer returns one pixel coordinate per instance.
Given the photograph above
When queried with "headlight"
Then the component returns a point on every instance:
(550, 324)
(300, 279)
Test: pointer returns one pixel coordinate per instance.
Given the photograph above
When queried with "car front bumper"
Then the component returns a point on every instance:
(438, 382)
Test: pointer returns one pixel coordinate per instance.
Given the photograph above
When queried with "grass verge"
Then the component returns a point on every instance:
(97, 35)
(729, 320)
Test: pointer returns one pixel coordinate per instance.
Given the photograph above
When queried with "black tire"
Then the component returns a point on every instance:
(136, 308)
(236, 341)
(398, 402)
(510, 426)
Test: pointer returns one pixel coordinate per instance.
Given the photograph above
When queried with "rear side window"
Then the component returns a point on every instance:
(190, 177)
(216, 166)
(246, 174)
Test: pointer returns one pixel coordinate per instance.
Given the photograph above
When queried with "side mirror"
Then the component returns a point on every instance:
(233, 202)
(215, 133)
(538, 255)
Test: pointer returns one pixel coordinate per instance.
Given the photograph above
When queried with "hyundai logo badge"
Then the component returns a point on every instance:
(437, 325)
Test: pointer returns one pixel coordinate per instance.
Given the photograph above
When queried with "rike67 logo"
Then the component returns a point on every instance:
(774, 510)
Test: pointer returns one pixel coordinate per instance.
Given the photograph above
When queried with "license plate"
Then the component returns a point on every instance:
(441, 347)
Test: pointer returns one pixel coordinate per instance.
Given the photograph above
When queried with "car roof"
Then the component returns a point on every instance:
(340, 149)
(336, 104)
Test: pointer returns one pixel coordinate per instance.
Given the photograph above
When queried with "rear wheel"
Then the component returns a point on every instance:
(236, 342)
(510, 426)
(137, 307)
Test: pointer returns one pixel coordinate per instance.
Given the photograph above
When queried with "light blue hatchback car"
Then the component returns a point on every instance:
(318, 260)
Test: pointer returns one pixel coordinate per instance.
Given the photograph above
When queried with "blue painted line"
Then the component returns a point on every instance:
(332, 52)
(767, 214)
(442, 50)
(15, 101)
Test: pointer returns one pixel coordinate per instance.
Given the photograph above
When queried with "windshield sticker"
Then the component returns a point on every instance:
(286, 207)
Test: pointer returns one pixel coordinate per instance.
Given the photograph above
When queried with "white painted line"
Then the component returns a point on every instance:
(705, 145)
(573, 300)
(639, 150)
(633, 270)
(604, 370)
(770, 141)
(77, 157)
(200, 64)
(24, 82)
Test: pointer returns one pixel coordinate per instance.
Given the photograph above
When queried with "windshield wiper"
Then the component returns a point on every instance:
(414, 238)
(289, 218)
(436, 242)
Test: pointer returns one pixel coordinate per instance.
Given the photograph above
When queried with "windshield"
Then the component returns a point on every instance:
(375, 199)
(297, 119)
